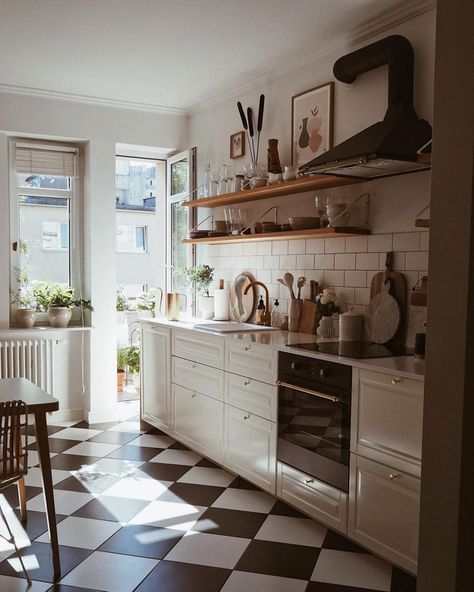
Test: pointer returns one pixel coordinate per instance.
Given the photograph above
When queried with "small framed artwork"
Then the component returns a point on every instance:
(237, 145)
(311, 123)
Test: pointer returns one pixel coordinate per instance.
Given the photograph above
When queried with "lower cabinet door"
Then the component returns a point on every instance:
(155, 376)
(198, 421)
(250, 447)
(384, 511)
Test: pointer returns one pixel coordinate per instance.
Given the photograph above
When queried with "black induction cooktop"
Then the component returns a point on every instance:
(355, 349)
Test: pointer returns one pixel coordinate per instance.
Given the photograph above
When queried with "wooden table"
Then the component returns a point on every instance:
(39, 403)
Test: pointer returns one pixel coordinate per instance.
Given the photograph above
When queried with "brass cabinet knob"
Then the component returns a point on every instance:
(247, 348)
(247, 382)
(393, 476)
(247, 416)
(396, 380)
(194, 366)
(308, 481)
(193, 396)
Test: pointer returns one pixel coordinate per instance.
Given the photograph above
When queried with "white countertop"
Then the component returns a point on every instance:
(281, 341)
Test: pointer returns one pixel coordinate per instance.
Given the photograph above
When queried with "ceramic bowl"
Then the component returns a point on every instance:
(304, 222)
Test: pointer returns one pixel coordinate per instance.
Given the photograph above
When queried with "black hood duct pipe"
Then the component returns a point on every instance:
(389, 147)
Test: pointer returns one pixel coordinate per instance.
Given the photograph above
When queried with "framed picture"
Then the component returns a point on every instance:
(311, 123)
(237, 145)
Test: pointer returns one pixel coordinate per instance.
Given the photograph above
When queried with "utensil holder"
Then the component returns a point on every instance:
(294, 314)
(172, 306)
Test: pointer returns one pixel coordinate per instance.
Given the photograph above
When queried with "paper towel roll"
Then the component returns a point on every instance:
(221, 305)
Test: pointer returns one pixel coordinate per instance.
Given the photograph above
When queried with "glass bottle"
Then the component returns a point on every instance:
(275, 318)
(261, 312)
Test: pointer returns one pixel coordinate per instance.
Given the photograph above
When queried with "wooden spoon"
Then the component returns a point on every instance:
(289, 280)
(300, 283)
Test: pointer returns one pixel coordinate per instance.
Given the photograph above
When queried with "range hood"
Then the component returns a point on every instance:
(389, 147)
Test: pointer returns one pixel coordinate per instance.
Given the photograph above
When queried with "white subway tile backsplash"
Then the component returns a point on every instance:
(406, 241)
(264, 248)
(379, 242)
(356, 244)
(280, 247)
(362, 296)
(257, 261)
(287, 262)
(276, 273)
(417, 261)
(367, 261)
(316, 275)
(223, 250)
(296, 247)
(345, 295)
(315, 245)
(398, 261)
(305, 261)
(424, 241)
(250, 248)
(271, 261)
(355, 279)
(324, 261)
(344, 261)
(335, 245)
(236, 249)
(265, 276)
(370, 275)
(333, 278)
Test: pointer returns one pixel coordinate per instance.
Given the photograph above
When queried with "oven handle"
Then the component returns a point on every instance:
(302, 389)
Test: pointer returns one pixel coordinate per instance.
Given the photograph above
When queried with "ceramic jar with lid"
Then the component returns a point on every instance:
(350, 326)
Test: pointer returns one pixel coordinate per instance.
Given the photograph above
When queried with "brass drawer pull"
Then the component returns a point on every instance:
(393, 476)
(396, 380)
(308, 481)
(247, 348)
(247, 416)
(194, 366)
(193, 396)
(247, 382)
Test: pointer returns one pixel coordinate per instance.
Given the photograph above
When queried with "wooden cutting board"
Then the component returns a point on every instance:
(398, 291)
(309, 317)
(383, 315)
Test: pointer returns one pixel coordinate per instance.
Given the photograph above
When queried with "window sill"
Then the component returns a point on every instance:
(46, 329)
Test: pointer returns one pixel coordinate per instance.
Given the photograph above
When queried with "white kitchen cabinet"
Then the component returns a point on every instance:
(155, 376)
(198, 377)
(253, 360)
(250, 447)
(388, 420)
(199, 347)
(384, 506)
(255, 396)
(198, 421)
(326, 504)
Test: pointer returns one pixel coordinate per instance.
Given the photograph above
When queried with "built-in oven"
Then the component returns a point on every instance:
(314, 417)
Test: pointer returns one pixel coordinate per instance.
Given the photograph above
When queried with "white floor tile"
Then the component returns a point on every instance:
(130, 427)
(177, 457)
(207, 476)
(66, 502)
(254, 582)
(143, 489)
(208, 549)
(117, 467)
(9, 584)
(110, 572)
(295, 531)
(92, 449)
(248, 500)
(64, 424)
(169, 515)
(76, 434)
(34, 479)
(84, 533)
(359, 570)
(33, 458)
(152, 441)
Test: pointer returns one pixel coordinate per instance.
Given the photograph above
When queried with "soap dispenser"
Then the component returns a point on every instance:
(275, 318)
(261, 312)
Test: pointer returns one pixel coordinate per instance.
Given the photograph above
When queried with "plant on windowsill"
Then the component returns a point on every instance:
(122, 360)
(25, 300)
(199, 279)
(58, 300)
(121, 306)
(133, 365)
(148, 301)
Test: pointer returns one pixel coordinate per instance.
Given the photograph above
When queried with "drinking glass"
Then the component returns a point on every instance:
(321, 204)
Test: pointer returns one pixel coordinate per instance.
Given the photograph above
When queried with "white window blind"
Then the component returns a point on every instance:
(44, 160)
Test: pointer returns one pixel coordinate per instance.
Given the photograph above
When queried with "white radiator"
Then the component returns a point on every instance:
(28, 358)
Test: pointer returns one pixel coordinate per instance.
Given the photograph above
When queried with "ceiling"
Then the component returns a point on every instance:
(159, 54)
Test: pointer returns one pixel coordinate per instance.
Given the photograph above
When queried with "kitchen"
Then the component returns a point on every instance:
(377, 438)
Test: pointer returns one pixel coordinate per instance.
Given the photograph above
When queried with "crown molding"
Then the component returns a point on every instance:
(410, 9)
(89, 100)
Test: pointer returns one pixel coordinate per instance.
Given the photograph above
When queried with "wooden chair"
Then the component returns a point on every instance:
(14, 459)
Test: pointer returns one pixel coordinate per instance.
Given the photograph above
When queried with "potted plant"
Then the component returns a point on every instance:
(199, 278)
(58, 300)
(327, 306)
(24, 298)
(133, 365)
(122, 360)
(146, 303)
(121, 306)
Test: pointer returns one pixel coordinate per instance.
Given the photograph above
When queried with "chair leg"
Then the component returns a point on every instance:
(12, 541)
(22, 499)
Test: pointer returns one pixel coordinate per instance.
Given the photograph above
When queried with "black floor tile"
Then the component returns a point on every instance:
(96, 426)
(241, 483)
(196, 495)
(87, 483)
(164, 472)
(72, 462)
(155, 431)
(279, 559)
(114, 438)
(323, 587)
(115, 509)
(282, 509)
(56, 445)
(402, 582)
(63, 588)
(339, 543)
(70, 558)
(11, 494)
(134, 453)
(230, 522)
(52, 429)
(142, 541)
(36, 523)
(177, 446)
(204, 462)
(169, 576)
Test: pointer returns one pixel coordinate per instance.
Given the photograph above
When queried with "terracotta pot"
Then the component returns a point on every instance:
(59, 316)
(120, 375)
(26, 317)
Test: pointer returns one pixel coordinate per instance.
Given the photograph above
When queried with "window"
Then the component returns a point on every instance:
(44, 215)
(131, 239)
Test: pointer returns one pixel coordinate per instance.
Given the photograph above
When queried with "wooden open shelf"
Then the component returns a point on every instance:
(288, 235)
(311, 183)
(422, 223)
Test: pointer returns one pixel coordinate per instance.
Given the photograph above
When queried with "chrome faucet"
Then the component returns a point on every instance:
(267, 315)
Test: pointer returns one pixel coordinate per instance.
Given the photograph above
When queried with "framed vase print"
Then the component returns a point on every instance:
(237, 145)
(311, 123)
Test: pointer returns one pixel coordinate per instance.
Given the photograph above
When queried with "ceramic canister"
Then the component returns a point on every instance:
(350, 326)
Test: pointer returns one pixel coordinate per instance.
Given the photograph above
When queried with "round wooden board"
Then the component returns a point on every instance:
(383, 316)
(242, 307)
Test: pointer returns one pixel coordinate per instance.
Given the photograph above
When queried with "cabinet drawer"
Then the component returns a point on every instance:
(198, 421)
(198, 377)
(250, 447)
(252, 395)
(392, 380)
(319, 500)
(251, 359)
(384, 511)
(199, 347)
(389, 421)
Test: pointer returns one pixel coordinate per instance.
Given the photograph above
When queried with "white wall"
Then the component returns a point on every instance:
(346, 265)
(99, 129)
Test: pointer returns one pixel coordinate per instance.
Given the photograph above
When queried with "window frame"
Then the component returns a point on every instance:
(136, 250)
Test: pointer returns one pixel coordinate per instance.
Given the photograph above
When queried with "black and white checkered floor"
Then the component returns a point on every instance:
(139, 511)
